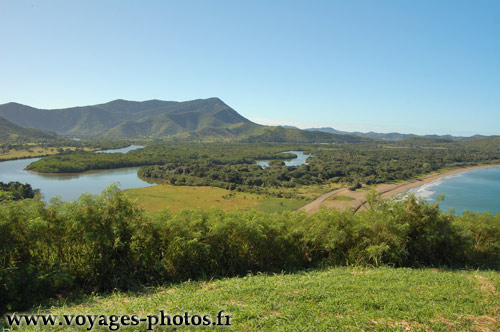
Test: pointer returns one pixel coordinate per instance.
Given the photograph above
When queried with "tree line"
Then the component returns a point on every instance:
(233, 165)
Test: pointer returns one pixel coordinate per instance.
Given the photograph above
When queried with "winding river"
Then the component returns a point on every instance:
(71, 186)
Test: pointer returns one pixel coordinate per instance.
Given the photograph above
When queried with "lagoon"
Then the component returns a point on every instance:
(122, 150)
(300, 160)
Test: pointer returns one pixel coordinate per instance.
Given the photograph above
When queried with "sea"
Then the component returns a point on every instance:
(476, 190)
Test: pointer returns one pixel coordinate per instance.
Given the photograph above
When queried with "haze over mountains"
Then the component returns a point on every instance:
(390, 136)
(196, 119)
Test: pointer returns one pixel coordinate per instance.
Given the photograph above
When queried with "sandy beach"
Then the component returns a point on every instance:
(343, 198)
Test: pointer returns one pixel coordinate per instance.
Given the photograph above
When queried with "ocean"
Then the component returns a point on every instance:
(476, 190)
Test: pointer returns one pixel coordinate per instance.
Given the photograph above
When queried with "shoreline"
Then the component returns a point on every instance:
(357, 198)
(92, 171)
(405, 186)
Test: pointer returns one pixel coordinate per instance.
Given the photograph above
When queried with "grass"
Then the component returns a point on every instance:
(309, 192)
(35, 152)
(336, 299)
(176, 198)
(341, 198)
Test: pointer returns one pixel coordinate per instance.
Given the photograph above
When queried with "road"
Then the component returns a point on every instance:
(315, 205)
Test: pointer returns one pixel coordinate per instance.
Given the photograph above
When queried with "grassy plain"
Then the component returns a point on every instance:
(36, 152)
(336, 299)
(340, 198)
(176, 198)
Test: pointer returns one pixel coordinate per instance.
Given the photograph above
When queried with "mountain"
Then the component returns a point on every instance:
(289, 135)
(12, 132)
(122, 118)
(394, 136)
(199, 119)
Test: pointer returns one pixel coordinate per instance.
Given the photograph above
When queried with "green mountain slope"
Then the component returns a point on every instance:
(12, 132)
(199, 119)
(290, 135)
(121, 118)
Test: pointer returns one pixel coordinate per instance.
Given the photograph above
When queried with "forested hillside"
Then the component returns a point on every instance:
(12, 133)
(121, 118)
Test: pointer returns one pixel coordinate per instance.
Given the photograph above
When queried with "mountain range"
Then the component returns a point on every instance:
(390, 136)
(121, 118)
(198, 119)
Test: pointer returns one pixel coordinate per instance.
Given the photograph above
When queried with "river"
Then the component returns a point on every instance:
(72, 186)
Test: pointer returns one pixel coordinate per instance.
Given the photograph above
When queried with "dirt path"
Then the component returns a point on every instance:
(316, 204)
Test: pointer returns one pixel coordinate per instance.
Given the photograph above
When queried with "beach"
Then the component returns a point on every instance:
(344, 198)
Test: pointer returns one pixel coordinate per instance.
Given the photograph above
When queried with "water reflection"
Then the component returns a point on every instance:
(300, 160)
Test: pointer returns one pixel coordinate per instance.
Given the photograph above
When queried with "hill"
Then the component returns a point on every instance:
(123, 119)
(289, 135)
(394, 136)
(335, 299)
(12, 132)
(199, 119)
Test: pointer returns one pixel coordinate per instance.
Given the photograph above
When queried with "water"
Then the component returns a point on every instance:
(70, 186)
(300, 160)
(477, 190)
(122, 150)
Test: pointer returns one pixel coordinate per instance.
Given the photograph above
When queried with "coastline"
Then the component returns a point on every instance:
(357, 198)
(405, 186)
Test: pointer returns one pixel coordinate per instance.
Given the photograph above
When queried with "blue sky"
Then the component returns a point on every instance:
(410, 66)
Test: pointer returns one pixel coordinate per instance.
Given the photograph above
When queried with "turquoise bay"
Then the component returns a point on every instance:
(477, 190)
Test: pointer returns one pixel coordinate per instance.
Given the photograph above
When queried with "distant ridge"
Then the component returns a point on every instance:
(394, 136)
(200, 119)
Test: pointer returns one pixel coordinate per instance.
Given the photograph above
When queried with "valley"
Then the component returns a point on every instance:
(161, 197)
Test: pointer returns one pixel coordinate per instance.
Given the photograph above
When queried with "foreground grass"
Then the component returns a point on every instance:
(176, 198)
(337, 299)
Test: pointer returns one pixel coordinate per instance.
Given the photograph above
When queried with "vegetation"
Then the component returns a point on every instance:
(102, 243)
(15, 149)
(177, 198)
(128, 119)
(16, 191)
(332, 299)
(199, 119)
(14, 133)
(232, 165)
(37, 151)
(341, 198)
(176, 154)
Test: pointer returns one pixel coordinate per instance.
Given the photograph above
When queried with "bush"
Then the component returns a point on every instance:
(104, 242)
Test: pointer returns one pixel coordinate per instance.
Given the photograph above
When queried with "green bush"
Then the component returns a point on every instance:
(104, 242)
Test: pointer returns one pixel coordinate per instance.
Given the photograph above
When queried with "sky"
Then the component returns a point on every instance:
(423, 67)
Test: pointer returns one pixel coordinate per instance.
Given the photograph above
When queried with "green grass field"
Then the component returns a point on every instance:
(340, 198)
(337, 299)
(176, 198)
(35, 152)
